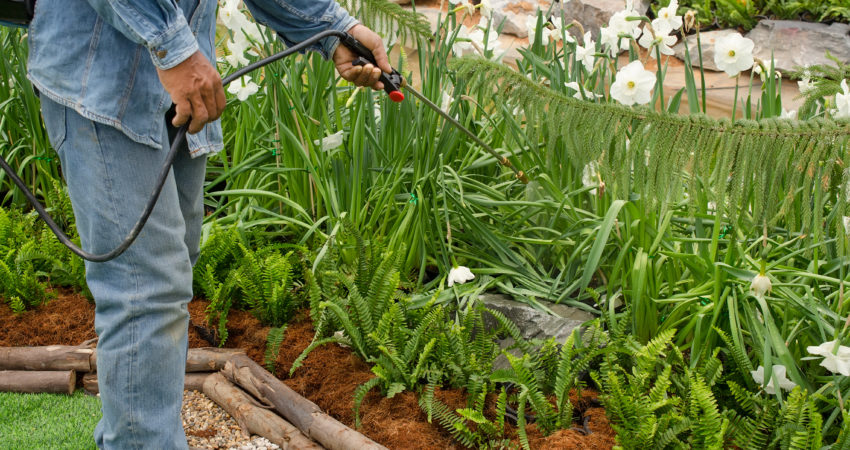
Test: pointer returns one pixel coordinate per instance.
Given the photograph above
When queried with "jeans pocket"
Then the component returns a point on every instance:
(54, 121)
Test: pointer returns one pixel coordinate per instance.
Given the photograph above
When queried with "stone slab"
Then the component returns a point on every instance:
(532, 323)
(793, 44)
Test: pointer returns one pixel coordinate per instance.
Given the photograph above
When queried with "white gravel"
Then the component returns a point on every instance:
(208, 426)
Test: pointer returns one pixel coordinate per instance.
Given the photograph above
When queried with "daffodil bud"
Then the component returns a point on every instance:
(690, 20)
(760, 286)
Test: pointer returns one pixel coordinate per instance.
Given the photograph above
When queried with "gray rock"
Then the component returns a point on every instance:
(795, 44)
(707, 40)
(512, 14)
(533, 324)
(594, 14)
(792, 43)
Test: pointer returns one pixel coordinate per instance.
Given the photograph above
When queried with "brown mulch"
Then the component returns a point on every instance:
(328, 377)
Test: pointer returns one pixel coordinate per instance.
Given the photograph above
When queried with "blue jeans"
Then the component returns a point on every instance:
(141, 297)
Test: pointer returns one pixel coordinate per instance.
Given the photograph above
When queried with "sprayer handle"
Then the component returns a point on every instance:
(393, 82)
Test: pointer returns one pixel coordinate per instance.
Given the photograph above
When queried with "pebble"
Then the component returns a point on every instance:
(208, 426)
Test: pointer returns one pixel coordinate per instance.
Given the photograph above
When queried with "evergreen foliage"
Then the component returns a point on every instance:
(728, 158)
(389, 18)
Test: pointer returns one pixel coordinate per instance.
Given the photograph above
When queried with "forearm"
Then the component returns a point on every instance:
(159, 25)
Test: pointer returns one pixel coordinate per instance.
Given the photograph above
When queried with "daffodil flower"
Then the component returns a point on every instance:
(842, 102)
(668, 15)
(330, 142)
(662, 38)
(779, 375)
(733, 53)
(838, 362)
(586, 53)
(531, 27)
(633, 85)
(243, 88)
(460, 275)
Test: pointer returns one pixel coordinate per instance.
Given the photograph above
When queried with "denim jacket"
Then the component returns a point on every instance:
(100, 57)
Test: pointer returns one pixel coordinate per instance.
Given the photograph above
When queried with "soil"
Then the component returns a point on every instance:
(328, 376)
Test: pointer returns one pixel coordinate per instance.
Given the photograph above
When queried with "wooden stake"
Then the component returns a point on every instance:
(254, 419)
(302, 413)
(36, 382)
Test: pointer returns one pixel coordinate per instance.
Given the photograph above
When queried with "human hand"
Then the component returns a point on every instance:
(195, 89)
(363, 75)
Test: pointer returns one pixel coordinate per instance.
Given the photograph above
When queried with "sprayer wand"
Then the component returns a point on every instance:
(393, 82)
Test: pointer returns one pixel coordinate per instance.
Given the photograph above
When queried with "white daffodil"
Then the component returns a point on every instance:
(486, 8)
(575, 87)
(842, 102)
(760, 286)
(662, 39)
(330, 142)
(237, 48)
(733, 53)
(790, 115)
(585, 53)
(846, 220)
(531, 27)
(470, 8)
(243, 88)
(559, 31)
(461, 44)
(633, 85)
(668, 15)
(619, 25)
(482, 41)
(590, 176)
(779, 375)
(231, 16)
(838, 362)
(805, 85)
(460, 275)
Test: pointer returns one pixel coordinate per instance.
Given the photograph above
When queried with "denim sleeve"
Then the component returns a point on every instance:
(159, 25)
(297, 20)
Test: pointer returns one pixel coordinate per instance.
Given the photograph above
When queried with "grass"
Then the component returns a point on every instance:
(48, 421)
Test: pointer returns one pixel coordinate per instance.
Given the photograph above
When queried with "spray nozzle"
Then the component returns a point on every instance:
(393, 82)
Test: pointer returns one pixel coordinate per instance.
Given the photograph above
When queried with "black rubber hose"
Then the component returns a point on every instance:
(166, 167)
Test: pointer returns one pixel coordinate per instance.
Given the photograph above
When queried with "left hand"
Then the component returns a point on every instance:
(363, 75)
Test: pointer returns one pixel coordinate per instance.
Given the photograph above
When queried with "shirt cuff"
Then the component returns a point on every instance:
(328, 45)
(174, 45)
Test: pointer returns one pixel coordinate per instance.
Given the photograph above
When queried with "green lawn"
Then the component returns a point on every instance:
(48, 421)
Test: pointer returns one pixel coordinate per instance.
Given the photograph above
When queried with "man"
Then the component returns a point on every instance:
(107, 72)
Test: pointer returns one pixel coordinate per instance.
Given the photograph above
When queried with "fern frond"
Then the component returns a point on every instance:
(273, 342)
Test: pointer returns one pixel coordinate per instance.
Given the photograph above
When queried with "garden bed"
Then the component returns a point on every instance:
(328, 377)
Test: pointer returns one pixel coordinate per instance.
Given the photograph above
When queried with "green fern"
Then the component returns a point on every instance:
(273, 342)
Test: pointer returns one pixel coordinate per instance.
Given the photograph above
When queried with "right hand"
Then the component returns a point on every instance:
(195, 89)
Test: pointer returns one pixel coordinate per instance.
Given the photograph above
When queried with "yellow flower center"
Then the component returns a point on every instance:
(732, 53)
(631, 84)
